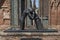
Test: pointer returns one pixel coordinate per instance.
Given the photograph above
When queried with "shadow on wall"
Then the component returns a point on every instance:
(1, 2)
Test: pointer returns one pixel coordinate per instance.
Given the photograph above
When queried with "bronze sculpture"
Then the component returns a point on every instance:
(33, 16)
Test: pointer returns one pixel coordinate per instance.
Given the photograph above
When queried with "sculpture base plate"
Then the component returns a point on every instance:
(48, 30)
(34, 30)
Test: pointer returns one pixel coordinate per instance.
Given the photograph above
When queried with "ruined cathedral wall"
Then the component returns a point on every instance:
(54, 13)
(4, 14)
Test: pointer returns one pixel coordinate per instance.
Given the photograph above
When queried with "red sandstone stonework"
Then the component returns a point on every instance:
(54, 15)
(1, 16)
(5, 24)
(53, 20)
(5, 5)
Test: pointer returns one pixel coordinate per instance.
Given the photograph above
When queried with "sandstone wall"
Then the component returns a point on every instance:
(5, 22)
(54, 12)
(16, 36)
(4, 14)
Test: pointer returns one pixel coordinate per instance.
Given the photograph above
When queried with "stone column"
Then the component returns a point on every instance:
(14, 12)
(21, 7)
(19, 10)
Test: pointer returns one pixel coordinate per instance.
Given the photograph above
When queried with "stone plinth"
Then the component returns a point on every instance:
(23, 35)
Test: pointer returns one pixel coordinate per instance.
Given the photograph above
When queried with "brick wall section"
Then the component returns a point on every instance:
(1, 16)
(5, 10)
(59, 15)
(5, 7)
(54, 15)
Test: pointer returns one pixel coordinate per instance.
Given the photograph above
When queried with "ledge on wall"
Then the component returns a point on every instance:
(29, 34)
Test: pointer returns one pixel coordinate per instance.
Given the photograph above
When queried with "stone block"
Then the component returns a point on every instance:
(6, 22)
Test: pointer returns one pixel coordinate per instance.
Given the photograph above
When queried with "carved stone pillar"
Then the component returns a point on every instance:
(21, 8)
(14, 12)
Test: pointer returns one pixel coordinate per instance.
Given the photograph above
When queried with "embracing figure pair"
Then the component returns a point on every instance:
(32, 16)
